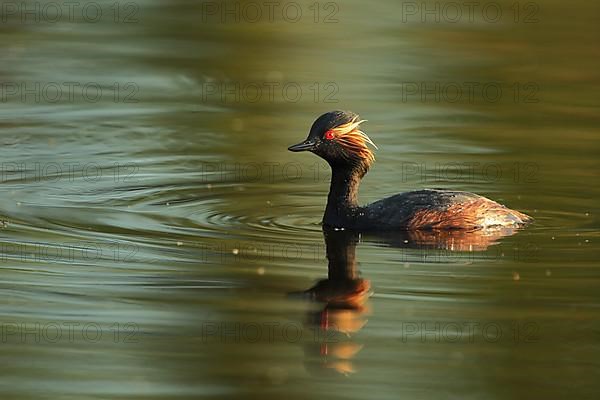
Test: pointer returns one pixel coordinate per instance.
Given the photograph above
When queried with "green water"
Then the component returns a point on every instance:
(156, 231)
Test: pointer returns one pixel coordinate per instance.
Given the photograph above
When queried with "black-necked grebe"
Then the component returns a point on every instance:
(336, 137)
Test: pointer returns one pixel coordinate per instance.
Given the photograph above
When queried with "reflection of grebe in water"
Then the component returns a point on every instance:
(345, 294)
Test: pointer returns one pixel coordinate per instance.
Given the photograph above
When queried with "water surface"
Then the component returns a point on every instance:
(158, 238)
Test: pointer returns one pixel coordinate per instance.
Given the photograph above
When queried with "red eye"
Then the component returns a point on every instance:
(329, 135)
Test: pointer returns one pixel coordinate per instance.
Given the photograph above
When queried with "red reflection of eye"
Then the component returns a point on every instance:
(329, 135)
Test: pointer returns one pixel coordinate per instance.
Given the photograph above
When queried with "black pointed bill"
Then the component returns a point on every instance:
(307, 145)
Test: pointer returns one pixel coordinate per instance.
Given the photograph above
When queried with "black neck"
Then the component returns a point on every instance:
(343, 193)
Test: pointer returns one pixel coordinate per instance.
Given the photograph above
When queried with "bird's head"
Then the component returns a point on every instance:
(336, 137)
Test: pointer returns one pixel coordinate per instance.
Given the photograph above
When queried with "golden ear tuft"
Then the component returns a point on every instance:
(353, 139)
